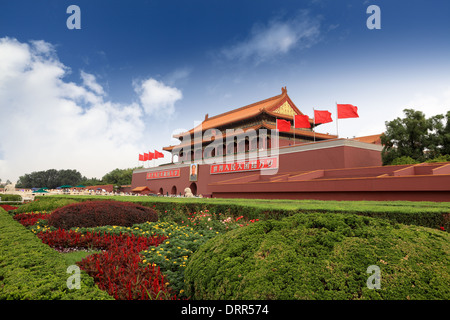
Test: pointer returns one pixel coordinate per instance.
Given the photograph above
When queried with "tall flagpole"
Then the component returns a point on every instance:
(337, 120)
(294, 129)
(314, 124)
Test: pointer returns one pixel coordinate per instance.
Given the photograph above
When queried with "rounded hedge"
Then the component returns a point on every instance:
(101, 213)
(322, 256)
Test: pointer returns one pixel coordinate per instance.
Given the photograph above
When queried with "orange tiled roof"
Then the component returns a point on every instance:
(375, 139)
(248, 111)
(140, 189)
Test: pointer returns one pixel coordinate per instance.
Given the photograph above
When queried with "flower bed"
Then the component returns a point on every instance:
(30, 219)
(31, 270)
(7, 207)
(116, 270)
(101, 213)
(141, 261)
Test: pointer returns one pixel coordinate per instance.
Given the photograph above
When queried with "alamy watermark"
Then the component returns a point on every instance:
(73, 281)
(374, 20)
(74, 20)
(374, 281)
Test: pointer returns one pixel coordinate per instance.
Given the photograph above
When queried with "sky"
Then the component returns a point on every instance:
(136, 72)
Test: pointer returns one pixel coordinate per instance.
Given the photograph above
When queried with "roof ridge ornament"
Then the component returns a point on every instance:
(283, 90)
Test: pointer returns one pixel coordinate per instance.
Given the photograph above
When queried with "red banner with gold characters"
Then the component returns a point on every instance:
(247, 165)
(175, 173)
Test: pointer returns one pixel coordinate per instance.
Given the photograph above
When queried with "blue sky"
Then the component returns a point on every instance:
(139, 70)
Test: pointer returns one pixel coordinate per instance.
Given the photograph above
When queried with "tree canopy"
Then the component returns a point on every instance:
(416, 137)
(53, 178)
(118, 177)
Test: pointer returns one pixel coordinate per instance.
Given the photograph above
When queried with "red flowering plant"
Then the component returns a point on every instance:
(7, 207)
(117, 269)
(30, 219)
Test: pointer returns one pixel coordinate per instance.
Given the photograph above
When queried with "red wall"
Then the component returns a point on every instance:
(340, 156)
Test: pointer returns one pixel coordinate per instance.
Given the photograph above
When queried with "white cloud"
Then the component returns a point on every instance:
(157, 98)
(47, 122)
(276, 38)
(90, 81)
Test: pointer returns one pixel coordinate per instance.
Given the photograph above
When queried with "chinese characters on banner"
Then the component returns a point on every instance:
(249, 165)
(163, 174)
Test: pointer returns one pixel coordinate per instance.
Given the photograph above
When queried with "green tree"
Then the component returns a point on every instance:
(443, 132)
(118, 177)
(416, 137)
(51, 179)
(90, 182)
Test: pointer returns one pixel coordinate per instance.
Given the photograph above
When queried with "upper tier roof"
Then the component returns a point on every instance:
(268, 106)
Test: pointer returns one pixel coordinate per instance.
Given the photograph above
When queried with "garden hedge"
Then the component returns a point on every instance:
(46, 203)
(426, 214)
(31, 270)
(11, 197)
(322, 256)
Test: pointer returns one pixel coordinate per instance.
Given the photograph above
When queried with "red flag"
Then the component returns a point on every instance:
(151, 156)
(283, 125)
(145, 156)
(301, 121)
(322, 116)
(347, 111)
(158, 154)
(141, 157)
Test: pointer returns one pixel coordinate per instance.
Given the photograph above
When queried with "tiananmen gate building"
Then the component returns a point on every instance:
(243, 154)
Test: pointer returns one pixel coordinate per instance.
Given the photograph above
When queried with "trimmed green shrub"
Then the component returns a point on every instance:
(423, 213)
(322, 256)
(31, 270)
(101, 213)
(48, 203)
(11, 197)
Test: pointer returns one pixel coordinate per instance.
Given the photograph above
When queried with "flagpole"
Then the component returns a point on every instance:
(337, 120)
(314, 125)
(294, 130)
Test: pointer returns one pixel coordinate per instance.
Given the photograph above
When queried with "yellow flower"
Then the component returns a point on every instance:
(181, 291)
